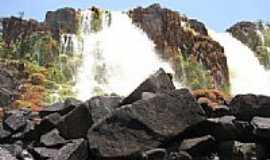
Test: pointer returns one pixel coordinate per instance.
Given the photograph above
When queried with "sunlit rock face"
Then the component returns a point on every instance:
(175, 35)
(256, 35)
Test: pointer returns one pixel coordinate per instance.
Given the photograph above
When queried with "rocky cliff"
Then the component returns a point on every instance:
(180, 39)
(256, 35)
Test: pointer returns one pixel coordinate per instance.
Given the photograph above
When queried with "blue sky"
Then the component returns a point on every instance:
(217, 14)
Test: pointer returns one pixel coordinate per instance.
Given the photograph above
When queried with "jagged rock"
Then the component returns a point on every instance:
(175, 34)
(76, 123)
(199, 147)
(16, 120)
(65, 20)
(101, 106)
(245, 107)
(25, 133)
(159, 82)
(52, 139)
(76, 150)
(43, 153)
(261, 127)
(48, 123)
(5, 155)
(61, 108)
(143, 124)
(244, 151)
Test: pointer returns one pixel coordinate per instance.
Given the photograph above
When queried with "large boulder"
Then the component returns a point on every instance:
(52, 139)
(76, 123)
(245, 107)
(143, 124)
(159, 82)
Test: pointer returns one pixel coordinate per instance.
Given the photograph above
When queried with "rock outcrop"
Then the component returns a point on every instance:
(177, 36)
(256, 35)
(154, 124)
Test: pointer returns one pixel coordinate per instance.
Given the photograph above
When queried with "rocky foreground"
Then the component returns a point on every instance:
(156, 121)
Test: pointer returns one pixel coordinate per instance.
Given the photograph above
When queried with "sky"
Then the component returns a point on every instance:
(216, 14)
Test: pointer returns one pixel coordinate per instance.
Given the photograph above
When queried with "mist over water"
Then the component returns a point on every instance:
(115, 59)
(247, 75)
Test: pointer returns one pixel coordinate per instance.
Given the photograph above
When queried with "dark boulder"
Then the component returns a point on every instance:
(52, 139)
(76, 123)
(261, 127)
(245, 107)
(199, 147)
(143, 124)
(61, 108)
(159, 82)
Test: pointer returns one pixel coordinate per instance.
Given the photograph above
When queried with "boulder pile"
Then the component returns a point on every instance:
(155, 122)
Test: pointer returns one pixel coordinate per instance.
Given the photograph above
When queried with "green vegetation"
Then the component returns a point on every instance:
(194, 74)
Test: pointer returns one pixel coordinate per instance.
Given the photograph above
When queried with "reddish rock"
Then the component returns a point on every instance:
(172, 32)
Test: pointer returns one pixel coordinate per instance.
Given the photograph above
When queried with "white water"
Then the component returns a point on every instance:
(116, 59)
(246, 73)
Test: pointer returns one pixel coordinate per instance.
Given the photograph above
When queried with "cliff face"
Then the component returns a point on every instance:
(177, 36)
(256, 35)
(65, 20)
(15, 29)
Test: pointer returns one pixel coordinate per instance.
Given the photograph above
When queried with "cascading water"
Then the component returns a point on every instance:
(116, 58)
(246, 73)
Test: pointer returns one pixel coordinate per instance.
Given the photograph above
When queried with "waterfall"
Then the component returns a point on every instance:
(246, 73)
(116, 58)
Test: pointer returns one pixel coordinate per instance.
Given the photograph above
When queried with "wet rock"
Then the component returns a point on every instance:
(76, 123)
(159, 82)
(76, 150)
(143, 124)
(261, 127)
(16, 120)
(245, 107)
(199, 147)
(101, 106)
(52, 139)
(61, 108)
